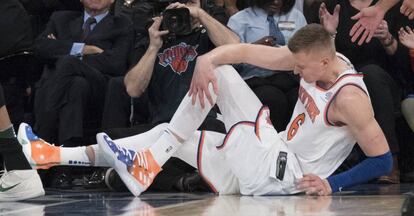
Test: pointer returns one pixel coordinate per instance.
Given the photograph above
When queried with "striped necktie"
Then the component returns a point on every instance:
(87, 27)
(275, 31)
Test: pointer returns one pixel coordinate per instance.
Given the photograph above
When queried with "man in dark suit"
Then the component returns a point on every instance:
(82, 51)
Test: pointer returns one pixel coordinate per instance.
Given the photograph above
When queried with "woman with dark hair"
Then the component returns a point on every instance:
(269, 22)
(253, 23)
(272, 6)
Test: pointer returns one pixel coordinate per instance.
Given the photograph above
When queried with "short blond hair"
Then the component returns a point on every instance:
(312, 37)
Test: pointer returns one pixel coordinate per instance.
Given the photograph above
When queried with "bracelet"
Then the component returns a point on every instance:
(333, 35)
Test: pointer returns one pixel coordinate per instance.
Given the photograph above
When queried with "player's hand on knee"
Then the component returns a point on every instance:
(313, 185)
(202, 77)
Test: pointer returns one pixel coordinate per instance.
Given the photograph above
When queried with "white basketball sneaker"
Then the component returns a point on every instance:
(18, 185)
(39, 153)
(136, 169)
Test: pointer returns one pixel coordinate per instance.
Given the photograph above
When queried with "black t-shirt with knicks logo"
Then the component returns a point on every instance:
(173, 71)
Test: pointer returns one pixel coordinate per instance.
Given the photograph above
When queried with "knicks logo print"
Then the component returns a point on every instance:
(178, 57)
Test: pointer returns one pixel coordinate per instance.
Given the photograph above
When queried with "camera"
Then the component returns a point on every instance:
(177, 21)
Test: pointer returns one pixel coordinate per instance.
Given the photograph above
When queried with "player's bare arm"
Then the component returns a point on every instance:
(274, 58)
(352, 108)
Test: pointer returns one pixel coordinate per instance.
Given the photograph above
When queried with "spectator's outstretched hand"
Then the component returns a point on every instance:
(368, 21)
(202, 77)
(313, 185)
(407, 8)
(406, 37)
(329, 21)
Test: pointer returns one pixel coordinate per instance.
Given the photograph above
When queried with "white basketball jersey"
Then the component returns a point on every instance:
(320, 145)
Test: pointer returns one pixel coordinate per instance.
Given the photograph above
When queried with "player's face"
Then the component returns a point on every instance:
(97, 6)
(309, 67)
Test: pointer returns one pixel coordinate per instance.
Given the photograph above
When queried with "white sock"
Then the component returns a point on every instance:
(99, 158)
(164, 147)
(74, 156)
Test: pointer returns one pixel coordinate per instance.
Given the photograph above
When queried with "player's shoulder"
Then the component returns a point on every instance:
(350, 95)
(351, 91)
(351, 105)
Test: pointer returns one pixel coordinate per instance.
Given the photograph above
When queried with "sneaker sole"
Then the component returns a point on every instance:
(108, 172)
(22, 196)
(35, 189)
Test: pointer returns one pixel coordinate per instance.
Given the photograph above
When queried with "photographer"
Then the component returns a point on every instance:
(166, 68)
(165, 71)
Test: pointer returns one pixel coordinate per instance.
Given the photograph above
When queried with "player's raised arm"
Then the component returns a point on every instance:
(275, 58)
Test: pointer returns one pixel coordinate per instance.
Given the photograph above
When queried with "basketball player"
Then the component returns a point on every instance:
(332, 113)
(18, 181)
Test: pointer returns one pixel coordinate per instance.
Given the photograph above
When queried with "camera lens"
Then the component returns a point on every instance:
(174, 22)
(177, 21)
